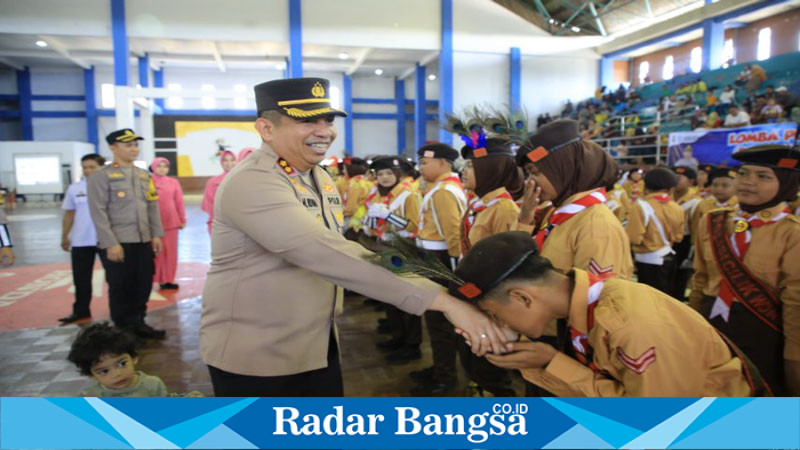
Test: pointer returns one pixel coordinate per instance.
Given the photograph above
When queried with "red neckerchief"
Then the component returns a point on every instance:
(476, 205)
(566, 212)
(580, 341)
(663, 198)
(740, 241)
(380, 224)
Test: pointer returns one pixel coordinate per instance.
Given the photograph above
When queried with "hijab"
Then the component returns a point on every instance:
(578, 167)
(153, 165)
(789, 183)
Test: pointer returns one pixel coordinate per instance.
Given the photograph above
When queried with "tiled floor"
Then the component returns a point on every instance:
(33, 362)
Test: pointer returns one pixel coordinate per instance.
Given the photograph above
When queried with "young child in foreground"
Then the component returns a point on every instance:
(108, 356)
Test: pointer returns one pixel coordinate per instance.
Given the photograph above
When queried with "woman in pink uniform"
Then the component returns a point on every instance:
(228, 160)
(173, 218)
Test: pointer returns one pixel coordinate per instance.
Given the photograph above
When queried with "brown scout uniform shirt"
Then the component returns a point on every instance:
(619, 203)
(123, 203)
(408, 209)
(647, 240)
(689, 202)
(271, 294)
(689, 358)
(592, 239)
(449, 210)
(498, 218)
(773, 256)
(707, 205)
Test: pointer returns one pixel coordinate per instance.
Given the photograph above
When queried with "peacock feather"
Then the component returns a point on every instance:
(404, 258)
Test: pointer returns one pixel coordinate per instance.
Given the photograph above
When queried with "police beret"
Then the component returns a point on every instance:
(727, 172)
(494, 147)
(123, 135)
(386, 162)
(439, 151)
(776, 156)
(491, 261)
(547, 139)
(688, 172)
(300, 98)
(660, 179)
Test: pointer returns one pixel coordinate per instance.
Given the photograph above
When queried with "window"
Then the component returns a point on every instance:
(174, 101)
(696, 59)
(764, 44)
(644, 70)
(727, 54)
(669, 68)
(239, 88)
(335, 97)
(107, 99)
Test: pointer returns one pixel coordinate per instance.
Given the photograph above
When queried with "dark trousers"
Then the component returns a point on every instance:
(488, 376)
(656, 276)
(405, 327)
(325, 382)
(82, 268)
(130, 283)
(682, 270)
(444, 340)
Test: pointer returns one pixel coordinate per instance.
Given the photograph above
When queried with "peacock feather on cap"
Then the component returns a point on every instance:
(475, 124)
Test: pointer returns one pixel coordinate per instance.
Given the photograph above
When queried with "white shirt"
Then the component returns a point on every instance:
(83, 233)
(727, 96)
(741, 118)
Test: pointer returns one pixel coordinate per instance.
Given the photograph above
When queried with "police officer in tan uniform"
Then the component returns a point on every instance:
(123, 203)
(278, 260)
(615, 337)
(655, 224)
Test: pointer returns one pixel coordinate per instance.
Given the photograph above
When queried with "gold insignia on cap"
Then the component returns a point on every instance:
(318, 90)
(741, 226)
(765, 214)
(302, 114)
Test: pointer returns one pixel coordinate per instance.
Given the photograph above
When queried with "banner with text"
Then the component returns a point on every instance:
(717, 146)
(409, 423)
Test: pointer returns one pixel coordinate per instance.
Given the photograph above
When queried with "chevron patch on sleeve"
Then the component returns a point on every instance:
(640, 364)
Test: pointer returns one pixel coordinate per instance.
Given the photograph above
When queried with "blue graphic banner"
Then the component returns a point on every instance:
(717, 146)
(409, 423)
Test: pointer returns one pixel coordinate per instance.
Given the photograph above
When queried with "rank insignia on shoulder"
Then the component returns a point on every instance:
(329, 188)
(640, 364)
(116, 175)
(142, 175)
(741, 226)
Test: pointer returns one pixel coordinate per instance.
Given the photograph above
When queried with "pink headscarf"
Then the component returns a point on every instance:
(156, 161)
(222, 157)
(245, 152)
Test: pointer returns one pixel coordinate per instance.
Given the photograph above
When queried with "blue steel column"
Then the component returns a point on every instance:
(91, 106)
(515, 79)
(348, 121)
(713, 42)
(445, 71)
(607, 72)
(295, 67)
(419, 109)
(158, 81)
(25, 103)
(144, 70)
(119, 34)
(400, 100)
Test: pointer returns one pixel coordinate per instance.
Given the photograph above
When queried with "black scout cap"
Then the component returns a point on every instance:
(491, 261)
(386, 162)
(775, 156)
(123, 135)
(707, 168)
(439, 151)
(688, 172)
(494, 147)
(548, 138)
(355, 161)
(660, 179)
(300, 98)
(722, 172)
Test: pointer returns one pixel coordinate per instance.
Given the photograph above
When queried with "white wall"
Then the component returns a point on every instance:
(70, 152)
(548, 81)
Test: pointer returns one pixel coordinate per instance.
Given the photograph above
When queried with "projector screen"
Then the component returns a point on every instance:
(38, 173)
